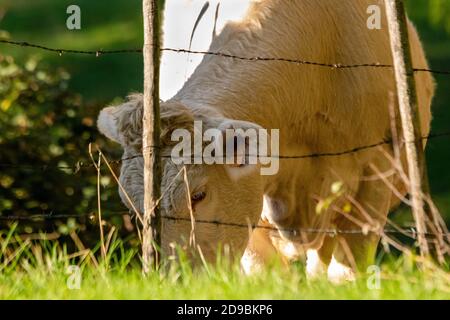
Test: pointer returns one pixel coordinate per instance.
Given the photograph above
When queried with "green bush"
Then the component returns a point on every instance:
(43, 127)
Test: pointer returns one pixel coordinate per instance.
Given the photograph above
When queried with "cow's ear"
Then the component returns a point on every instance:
(240, 147)
(123, 123)
(107, 124)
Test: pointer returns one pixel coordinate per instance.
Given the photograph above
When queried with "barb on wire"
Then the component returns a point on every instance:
(98, 53)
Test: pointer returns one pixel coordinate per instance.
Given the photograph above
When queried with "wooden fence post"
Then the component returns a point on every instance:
(151, 135)
(409, 113)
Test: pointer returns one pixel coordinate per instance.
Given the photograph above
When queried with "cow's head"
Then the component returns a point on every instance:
(226, 193)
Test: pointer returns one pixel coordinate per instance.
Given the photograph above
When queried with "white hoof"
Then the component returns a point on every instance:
(339, 273)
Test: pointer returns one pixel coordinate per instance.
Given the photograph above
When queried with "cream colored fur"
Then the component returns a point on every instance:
(317, 109)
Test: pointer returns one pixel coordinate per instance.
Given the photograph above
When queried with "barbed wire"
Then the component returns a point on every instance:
(400, 230)
(76, 167)
(99, 53)
(79, 165)
(51, 216)
(301, 62)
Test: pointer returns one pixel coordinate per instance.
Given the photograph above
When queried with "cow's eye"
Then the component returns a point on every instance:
(197, 197)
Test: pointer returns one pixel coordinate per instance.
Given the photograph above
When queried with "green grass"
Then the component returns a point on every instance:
(51, 284)
(41, 270)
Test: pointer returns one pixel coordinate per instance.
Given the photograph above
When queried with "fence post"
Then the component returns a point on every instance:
(409, 113)
(151, 134)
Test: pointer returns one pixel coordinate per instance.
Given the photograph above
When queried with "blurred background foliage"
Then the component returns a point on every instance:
(49, 103)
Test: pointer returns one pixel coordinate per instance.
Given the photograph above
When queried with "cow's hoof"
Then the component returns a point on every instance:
(339, 273)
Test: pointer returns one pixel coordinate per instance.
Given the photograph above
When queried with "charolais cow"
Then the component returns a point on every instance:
(316, 109)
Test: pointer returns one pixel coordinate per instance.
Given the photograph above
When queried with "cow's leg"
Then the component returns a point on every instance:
(355, 252)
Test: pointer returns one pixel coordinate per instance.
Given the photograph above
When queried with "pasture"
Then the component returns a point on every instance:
(42, 271)
(52, 242)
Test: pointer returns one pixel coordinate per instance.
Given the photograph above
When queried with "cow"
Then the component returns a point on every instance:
(317, 110)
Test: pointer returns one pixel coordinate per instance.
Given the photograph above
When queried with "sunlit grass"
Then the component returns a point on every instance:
(42, 270)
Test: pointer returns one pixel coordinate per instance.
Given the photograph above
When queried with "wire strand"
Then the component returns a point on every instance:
(100, 52)
(402, 230)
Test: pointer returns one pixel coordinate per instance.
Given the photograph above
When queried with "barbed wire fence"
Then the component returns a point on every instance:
(408, 231)
(100, 52)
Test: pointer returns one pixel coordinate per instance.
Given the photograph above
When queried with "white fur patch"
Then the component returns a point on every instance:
(265, 214)
(314, 265)
(289, 250)
(251, 263)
